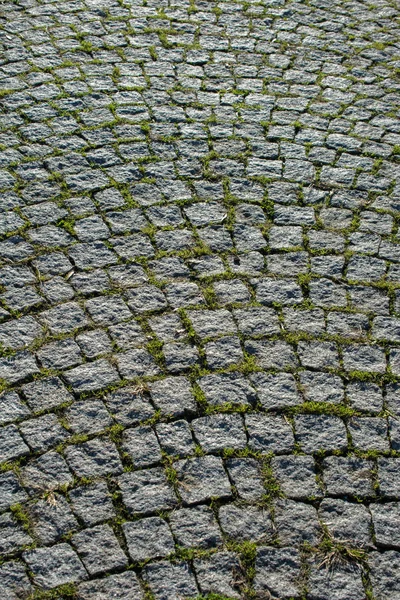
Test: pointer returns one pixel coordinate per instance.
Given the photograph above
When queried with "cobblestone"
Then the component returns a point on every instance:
(199, 299)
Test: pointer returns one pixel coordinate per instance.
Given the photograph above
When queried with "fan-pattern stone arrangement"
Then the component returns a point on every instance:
(200, 300)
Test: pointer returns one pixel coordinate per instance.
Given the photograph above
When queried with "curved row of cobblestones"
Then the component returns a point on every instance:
(199, 300)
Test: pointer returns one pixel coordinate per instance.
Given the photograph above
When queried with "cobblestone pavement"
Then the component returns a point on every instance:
(200, 300)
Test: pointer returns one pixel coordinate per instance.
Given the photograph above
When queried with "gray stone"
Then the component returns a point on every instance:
(364, 358)
(369, 433)
(43, 433)
(168, 581)
(92, 377)
(126, 335)
(95, 281)
(325, 293)
(46, 473)
(343, 582)
(52, 520)
(136, 363)
(224, 352)
(212, 323)
(127, 275)
(92, 503)
(146, 492)
(392, 399)
(99, 549)
(346, 522)
(277, 572)
(322, 387)
(64, 318)
(19, 333)
(296, 476)
(13, 538)
(320, 432)
(385, 518)
(272, 355)
(276, 391)
(389, 477)
(308, 321)
(245, 474)
(246, 523)
(55, 566)
(284, 292)
(167, 328)
(93, 458)
(260, 258)
(142, 446)
(180, 357)
(129, 406)
(46, 393)
(227, 388)
(183, 295)
(148, 538)
(228, 292)
(12, 445)
(385, 574)
(60, 355)
(173, 396)
(348, 476)
(88, 416)
(195, 527)
(220, 574)
(123, 586)
(14, 582)
(11, 491)
(318, 355)
(107, 310)
(296, 523)
(269, 434)
(18, 367)
(365, 397)
(175, 438)
(201, 479)
(216, 432)
(11, 408)
(255, 321)
(347, 325)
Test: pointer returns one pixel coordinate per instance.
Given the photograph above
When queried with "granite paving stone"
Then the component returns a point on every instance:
(296, 523)
(52, 520)
(146, 492)
(148, 538)
(220, 574)
(93, 458)
(92, 503)
(14, 581)
(195, 527)
(385, 568)
(216, 432)
(171, 580)
(384, 518)
(343, 582)
(55, 566)
(346, 521)
(13, 538)
(201, 479)
(99, 549)
(246, 523)
(122, 586)
(348, 476)
(277, 572)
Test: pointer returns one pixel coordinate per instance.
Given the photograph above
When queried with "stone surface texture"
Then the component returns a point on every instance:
(200, 299)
